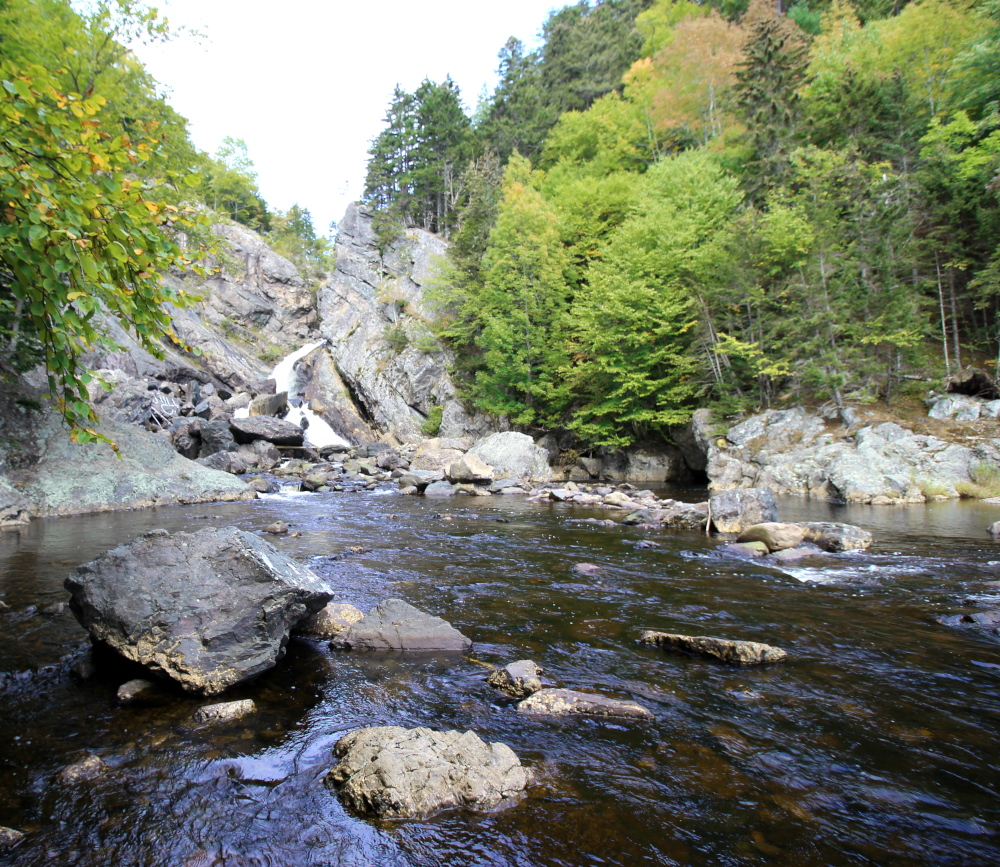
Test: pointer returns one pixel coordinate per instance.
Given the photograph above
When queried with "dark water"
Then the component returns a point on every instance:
(877, 742)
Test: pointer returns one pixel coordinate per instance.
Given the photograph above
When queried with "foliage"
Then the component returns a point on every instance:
(229, 185)
(80, 234)
(432, 425)
(292, 235)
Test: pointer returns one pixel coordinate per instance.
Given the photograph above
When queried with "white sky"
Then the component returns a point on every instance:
(306, 83)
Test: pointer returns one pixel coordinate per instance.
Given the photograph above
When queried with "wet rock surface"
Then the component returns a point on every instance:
(207, 609)
(836, 537)
(739, 652)
(397, 773)
(776, 536)
(569, 702)
(331, 621)
(86, 768)
(226, 711)
(9, 838)
(517, 679)
(397, 625)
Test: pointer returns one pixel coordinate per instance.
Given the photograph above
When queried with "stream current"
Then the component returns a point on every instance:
(876, 743)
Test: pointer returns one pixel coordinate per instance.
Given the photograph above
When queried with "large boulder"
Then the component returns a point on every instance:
(513, 454)
(470, 469)
(269, 404)
(397, 625)
(741, 652)
(208, 609)
(397, 773)
(735, 511)
(517, 679)
(262, 427)
(434, 459)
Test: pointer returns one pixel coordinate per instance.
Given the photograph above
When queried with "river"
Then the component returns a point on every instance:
(876, 743)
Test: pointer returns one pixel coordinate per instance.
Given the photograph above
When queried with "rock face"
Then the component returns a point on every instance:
(397, 773)
(566, 702)
(373, 314)
(208, 609)
(794, 452)
(397, 625)
(513, 455)
(518, 679)
(666, 464)
(42, 473)
(742, 652)
(735, 511)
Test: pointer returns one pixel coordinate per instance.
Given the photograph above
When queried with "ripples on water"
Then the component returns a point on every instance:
(874, 744)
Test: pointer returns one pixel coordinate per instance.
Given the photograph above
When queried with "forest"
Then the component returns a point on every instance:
(671, 204)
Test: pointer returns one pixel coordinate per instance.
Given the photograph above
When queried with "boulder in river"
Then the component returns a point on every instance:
(745, 549)
(742, 652)
(420, 479)
(564, 702)
(397, 773)
(208, 609)
(397, 625)
(735, 511)
(513, 454)
(9, 838)
(517, 679)
(835, 537)
(470, 468)
(440, 489)
(331, 621)
(139, 691)
(775, 535)
(994, 529)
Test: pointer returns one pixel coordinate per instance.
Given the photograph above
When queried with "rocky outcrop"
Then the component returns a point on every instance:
(792, 451)
(397, 625)
(208, 609)
(397, 773)
(740, 652)
(43, 473)
(374, 315)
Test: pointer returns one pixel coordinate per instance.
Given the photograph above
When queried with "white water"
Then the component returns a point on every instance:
(318, 434)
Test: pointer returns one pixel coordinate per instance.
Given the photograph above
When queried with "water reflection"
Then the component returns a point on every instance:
(874, 744)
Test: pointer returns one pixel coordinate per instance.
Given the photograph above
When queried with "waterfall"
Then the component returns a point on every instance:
(318, 434)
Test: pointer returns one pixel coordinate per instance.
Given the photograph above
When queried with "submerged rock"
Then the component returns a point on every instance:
(745, 549)
(994, 529)
(587, 569)
(735, 511)
(517, 679)
(331, 621)
(397, 625)
(743, 652)
(87, 767)
(564, 702)
(398, 773)
(775, 536)
(9, 838)
(225, 711)
(208, 609)
(138, 691)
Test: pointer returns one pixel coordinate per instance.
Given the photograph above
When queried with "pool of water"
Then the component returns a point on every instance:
(876, 743)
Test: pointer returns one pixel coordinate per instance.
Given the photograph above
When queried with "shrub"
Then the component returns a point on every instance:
(432, 426)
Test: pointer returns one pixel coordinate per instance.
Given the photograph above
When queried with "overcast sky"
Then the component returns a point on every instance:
(306, 83)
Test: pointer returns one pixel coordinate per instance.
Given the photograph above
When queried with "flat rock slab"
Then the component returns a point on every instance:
(834, 537)
(262, 427)
(742, 652)
(226, 711)
(398, 773)
(208, 609)
(565, 702)
(518, 679)
(397, 625)
(331, 621)
(775, 535)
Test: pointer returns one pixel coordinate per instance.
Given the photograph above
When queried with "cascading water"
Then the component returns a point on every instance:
(318, 433)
